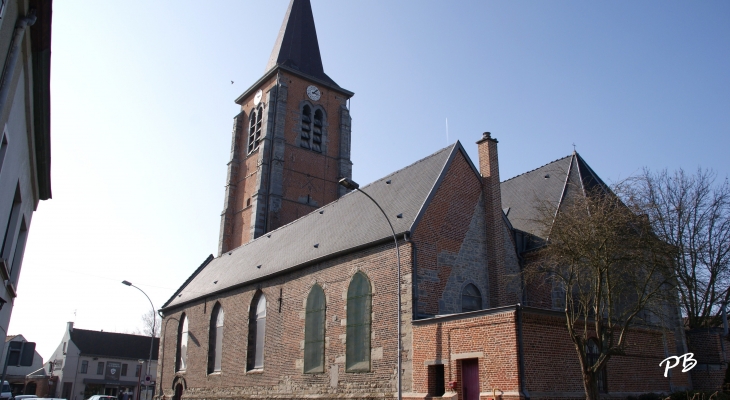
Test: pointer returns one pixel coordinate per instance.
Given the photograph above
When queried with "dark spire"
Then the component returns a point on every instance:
(296, 46)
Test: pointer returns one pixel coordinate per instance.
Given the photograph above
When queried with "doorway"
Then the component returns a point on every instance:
(470, 379)
(178, 392)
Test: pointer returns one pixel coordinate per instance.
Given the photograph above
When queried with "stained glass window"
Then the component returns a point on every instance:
(215, 341)
(471, 298)
(359, 303)
(314, 331)
(182, 344)
(256, 332)
(593, 352)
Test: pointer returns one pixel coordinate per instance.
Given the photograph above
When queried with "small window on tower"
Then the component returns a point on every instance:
(254, 129)
(306, 127)
(311, 137)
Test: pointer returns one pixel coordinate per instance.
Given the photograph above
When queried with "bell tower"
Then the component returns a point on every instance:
(291, 140)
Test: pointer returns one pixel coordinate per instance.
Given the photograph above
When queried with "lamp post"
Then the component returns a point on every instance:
(352, 185)
(152, 335)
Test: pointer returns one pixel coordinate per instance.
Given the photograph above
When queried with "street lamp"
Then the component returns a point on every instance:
(152, 335)
(352, 185)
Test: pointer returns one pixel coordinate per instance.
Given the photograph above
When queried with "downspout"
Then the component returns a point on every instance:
(521, 353)
(12, 58)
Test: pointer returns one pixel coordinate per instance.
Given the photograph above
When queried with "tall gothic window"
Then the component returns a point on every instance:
(314, 331)
(182, 344)
(311, 137)
(256, 332)
(215, 339)
(359, 306)
(471, 298)
(592, 354)
(254, 129)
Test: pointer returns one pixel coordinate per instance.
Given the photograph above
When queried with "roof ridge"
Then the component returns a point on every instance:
(336, 201)
(112, 333)
(190, 278)
(535, 169)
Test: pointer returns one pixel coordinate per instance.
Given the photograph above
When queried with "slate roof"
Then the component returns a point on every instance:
(115, 345)
(344, 225)
(296, 45)
(524, 195)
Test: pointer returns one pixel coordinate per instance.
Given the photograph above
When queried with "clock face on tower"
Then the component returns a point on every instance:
(257, 98)
(313, 92)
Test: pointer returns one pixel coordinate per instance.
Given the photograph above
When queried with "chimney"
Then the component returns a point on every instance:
(70, 327)
(492, 195)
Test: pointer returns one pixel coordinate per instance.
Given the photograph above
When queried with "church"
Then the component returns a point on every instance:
(313, 295)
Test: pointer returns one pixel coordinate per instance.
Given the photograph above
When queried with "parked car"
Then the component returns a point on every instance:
(102, 397)
(25, 396)
(6, 393)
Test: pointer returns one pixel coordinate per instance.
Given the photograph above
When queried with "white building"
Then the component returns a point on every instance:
(25, 133)
(90, 362)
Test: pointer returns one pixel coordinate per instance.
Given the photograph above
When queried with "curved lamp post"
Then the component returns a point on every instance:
(154, 321)
(352, 185)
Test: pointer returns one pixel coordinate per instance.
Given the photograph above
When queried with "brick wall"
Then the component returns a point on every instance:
(551, 364)
(488, 336)
(450, 242)
(504, 284)
(283, 350)
(552, 369)
(707, 346)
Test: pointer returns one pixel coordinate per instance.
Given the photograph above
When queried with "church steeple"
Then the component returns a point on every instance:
(291, 141)
(296, 45)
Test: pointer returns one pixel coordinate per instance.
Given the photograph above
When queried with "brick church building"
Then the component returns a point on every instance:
(302, 299)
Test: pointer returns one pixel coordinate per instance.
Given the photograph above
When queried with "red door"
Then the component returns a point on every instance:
(470, 379)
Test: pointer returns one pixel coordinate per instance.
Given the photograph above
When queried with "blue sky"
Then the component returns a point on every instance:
(142, 111)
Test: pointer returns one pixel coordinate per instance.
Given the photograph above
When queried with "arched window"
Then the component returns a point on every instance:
(359, 306)
(215, 339)
(314, 331)
(256, 332)
(311, 137)
(471, 298)
(182, 344)
(254, 129)
(593, 352)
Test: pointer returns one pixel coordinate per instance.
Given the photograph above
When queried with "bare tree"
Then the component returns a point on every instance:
(691, 213)
(612, 270)
(149, 319)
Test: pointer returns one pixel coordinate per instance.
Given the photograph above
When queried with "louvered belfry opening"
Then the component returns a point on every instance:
(312, 126)
(254, 129)
(314, 330)
(306, 127)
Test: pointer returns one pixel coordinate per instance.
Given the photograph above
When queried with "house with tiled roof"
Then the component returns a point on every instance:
(408, 287)
(90, 362)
